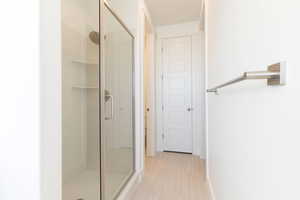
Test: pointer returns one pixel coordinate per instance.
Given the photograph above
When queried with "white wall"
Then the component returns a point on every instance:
(253, 129)
(191, 29)
(176, 30)
(19, 84)
(22, 130)
(50, 93)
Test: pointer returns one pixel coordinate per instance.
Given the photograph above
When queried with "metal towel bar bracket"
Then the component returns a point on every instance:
(275, 75)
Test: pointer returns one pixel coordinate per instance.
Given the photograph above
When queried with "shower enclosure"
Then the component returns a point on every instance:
(98, 101)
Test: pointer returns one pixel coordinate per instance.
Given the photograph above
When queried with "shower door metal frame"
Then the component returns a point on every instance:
(105, 5)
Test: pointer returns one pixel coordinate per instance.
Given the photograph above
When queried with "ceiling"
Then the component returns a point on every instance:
(167, 12)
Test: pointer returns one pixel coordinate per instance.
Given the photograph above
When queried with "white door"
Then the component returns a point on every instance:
(177, 94)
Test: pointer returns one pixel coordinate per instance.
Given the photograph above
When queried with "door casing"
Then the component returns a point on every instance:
(182, 30)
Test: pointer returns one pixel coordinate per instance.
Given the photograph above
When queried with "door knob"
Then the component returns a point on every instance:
(190, 109)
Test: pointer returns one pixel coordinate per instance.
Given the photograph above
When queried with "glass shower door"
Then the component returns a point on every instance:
(117, 106)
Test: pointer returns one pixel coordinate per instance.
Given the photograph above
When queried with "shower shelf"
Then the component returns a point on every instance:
(85, 87)
(85, 62)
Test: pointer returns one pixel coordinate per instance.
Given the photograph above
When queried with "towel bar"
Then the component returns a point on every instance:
(275, 75)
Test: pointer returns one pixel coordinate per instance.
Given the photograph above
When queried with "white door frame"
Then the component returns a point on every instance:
(150, 151)
(196, 130)
(145, 15)
(203, 26)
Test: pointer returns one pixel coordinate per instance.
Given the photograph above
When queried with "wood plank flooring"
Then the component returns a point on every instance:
(172, 176)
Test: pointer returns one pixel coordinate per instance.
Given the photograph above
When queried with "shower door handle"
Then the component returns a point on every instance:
(110, 97)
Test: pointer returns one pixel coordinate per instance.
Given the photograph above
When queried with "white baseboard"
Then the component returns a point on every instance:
(131, 186)
(211, 189)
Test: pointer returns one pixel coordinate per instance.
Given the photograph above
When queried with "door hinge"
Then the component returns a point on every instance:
(162, 77)
(163, 107)
(163, 136)
(162, 49)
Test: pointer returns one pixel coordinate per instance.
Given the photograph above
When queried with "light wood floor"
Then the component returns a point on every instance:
(171, 176)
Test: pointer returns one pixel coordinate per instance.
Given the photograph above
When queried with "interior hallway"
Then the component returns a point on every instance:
(172, 176)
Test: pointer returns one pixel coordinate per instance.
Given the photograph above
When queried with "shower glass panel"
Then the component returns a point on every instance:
(81, 121)
(118, 110)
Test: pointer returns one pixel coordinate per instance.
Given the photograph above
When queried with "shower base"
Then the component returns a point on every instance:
(86, 185)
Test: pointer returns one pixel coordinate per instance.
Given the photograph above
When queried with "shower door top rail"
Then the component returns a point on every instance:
(275, 75)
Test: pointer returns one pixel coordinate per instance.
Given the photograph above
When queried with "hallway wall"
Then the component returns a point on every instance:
(30, 93)
(253, 129)
(20, 99)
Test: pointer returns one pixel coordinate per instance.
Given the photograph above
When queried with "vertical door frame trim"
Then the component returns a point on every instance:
(151, 141)
(143, 14)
